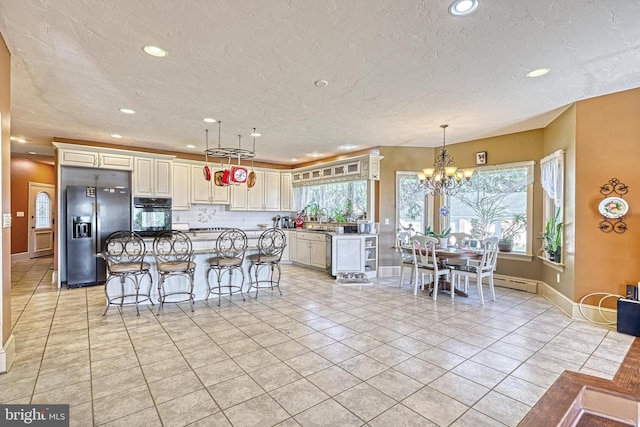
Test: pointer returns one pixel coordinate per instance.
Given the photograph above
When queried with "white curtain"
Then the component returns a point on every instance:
(552, 176)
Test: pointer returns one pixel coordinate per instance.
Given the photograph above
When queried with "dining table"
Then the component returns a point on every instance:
(443, 255)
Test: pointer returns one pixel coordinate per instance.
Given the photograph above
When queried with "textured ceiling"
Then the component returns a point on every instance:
(397, 69)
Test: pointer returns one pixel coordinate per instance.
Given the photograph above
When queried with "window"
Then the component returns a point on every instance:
(43, 210)
(413, 207)
(344, 201)
(552, 180)
(497, 202)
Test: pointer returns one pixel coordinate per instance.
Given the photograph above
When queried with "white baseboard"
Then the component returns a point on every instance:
(20, 256)
(54, 278)
(8, 354)
(389, 271)
(572, 309)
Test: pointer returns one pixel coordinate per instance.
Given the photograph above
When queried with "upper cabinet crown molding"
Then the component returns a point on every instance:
(360, 167)
(99, 157)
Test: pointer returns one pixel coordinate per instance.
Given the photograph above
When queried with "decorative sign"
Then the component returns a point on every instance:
(613, 208)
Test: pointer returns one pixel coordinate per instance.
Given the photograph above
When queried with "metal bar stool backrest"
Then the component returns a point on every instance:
(172, 247)
(231, 244)
(124, 247)
(271, 244)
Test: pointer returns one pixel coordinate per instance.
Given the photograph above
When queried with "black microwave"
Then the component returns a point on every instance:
(151, 216)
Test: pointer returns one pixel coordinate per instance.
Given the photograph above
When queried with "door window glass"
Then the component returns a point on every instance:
(43, 210)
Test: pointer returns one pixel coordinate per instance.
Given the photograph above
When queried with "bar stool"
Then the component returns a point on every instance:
(124, 252)
(230, 248)
(173, 252)
(271, 244)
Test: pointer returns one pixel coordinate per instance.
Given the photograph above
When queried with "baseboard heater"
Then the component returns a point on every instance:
(517, 283)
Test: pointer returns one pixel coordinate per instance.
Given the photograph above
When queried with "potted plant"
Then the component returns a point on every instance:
(552, 237)
(443, 236)
(516, 225)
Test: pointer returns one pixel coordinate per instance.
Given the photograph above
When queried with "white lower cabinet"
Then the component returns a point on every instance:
(354, 253)
(310, 249)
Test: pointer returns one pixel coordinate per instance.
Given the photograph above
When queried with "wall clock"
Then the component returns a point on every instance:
(238, 174)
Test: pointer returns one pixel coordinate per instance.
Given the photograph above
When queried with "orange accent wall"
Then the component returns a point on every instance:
(24, 171)
(607, 146)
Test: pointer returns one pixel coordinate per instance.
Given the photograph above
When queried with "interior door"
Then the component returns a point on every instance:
(41, 219)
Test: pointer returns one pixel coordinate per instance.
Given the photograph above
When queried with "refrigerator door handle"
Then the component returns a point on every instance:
(97, 219)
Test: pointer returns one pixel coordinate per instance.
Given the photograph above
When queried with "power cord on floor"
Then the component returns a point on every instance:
(606, 295)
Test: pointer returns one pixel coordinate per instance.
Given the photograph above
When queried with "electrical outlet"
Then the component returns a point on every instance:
(386, 221)
(558, 277)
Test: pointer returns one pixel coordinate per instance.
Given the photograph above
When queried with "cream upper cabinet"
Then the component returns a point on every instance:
(181, 186)
(152, 177)
(286, 191)
(264, 196)
(94, 157)
(206, 192)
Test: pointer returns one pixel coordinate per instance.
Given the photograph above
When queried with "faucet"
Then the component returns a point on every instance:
(326, 213)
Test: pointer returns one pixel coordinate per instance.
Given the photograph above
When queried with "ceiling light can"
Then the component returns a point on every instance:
(538, 73)
(156, 51)
(127, 111)
(463, 7)
(209, 120)
(116, 135)
(321, 83)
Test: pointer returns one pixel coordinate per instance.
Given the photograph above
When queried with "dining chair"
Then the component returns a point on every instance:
(403, 242)
(424, 253)
(480, 269)
(461, 240)
(230, 249)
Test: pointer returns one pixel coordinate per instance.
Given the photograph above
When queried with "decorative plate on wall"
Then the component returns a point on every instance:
(613, 207)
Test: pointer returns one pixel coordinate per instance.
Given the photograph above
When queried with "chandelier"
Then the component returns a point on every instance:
(444, 178)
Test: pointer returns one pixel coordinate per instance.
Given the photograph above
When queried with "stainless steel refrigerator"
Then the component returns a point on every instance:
(92, 214)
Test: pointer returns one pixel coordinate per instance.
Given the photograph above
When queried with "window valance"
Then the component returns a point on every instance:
(552, 176)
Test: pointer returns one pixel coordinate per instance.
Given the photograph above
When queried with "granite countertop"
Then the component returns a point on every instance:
(560, 397)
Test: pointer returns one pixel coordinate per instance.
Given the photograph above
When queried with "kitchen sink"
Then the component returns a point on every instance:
(594, 406)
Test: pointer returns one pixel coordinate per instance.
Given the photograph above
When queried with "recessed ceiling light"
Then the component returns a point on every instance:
(321, 83)
(256, 134)
(538, 73)
(32, 152)
(154, 51)
(209, 120)
(127, 111)
(191, 146)
(294, 160)
(115, 135)
(313, 155)
(19, 139)
(347, 147)
(463, 7)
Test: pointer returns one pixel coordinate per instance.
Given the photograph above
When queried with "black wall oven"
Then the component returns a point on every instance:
(151, 216)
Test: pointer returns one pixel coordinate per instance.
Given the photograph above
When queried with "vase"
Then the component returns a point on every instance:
(444, 242)
(505, 245)
(557, 255)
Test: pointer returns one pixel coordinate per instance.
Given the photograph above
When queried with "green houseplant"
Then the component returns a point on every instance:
(443, 236)
(514, 226)
(552, 237)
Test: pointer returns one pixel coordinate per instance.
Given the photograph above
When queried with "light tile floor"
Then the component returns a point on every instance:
(319, 355)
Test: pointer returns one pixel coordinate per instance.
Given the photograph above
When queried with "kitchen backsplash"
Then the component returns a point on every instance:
(203, 216)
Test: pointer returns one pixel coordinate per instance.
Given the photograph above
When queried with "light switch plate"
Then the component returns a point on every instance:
(6, 220)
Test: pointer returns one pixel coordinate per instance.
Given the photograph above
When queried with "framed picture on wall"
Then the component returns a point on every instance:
(481, 158)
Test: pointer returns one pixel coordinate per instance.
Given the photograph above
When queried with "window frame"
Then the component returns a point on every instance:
(519, 256)
(427, 215)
